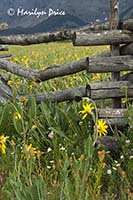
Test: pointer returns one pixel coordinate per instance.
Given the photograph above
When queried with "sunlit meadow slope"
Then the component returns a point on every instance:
(47, 151)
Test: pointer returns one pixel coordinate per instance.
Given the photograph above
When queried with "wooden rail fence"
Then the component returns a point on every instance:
(120, 58)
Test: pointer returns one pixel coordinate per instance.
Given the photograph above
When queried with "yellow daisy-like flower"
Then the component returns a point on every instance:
(102, 127)
(10, 83)
(3, 140)
(23, 100)
(96, 77)
(25, 60)
(29, 151)
(17, 116)
(87, 109)
(16, 60)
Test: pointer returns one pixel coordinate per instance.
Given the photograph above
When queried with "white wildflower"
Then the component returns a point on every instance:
(51, 161)
(114, 168)
(62, 148)
(49, 149)
(127, 141)
(122, 157)
(51, 134)
(109, 171)
(48, 167)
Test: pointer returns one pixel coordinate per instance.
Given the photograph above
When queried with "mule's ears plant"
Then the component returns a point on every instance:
(87, 109)
(90, 109)
(102, 127)
(3, 140)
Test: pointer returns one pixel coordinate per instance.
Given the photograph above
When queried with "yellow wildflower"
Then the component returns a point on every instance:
(12, 143)
(3, 140)
(17, 116)
(32, 84)
(96, 77)
(87, 109)
(23, 100)
(33, 127)
(10, 83)
(16, 60)
(35, 54)
(25, 60)
(38, 154)
(29, 151)
(102, 127)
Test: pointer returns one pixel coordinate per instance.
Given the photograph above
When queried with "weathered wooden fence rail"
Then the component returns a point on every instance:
(37, 38)
(95, 91)
(102, 38)
(6, 56)
(91, 65)
(3, 48)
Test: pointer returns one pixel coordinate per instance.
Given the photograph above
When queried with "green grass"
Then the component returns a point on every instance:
(50, 152)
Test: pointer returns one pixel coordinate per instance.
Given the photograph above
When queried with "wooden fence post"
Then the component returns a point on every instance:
(115, 48)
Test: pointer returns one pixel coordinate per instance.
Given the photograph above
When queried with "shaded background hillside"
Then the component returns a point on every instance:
(78, 13)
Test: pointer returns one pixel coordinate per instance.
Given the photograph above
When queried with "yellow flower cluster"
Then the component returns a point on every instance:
(96, 77)
(23, 100)
(35, 54)
(17, 116)
(16, 60)
(30, 152)
(101, 125)
(25, 61)
(3, 140)
(10, 83)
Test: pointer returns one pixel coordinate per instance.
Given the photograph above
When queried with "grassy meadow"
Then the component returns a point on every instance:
(47, 150)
